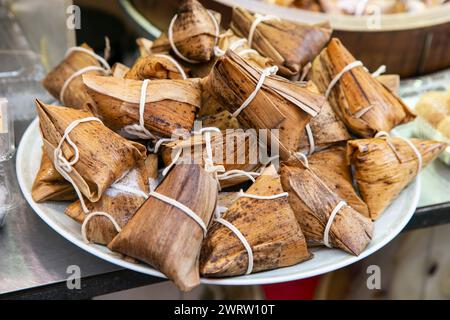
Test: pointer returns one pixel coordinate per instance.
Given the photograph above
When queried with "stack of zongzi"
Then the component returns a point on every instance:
(211, 121)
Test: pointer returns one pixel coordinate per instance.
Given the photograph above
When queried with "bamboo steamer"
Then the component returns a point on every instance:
(409, 44)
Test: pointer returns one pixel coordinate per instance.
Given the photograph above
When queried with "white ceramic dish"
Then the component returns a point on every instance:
(325, 260)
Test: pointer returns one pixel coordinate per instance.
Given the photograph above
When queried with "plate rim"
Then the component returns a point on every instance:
(239, 280)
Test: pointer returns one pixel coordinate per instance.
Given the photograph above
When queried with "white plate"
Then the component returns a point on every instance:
(325, 260)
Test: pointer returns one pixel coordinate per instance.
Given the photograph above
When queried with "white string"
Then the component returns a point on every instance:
(309, 133)
(106, 69)
(305, 71)
(93, 214)
(258, 20)
(360, 7)
(264, 73)
(127, 189)
(172, 43)
(337, 77)
(234, 46)
(181, 207)
(418, 155)
(239, 235)
(333, 214)
(381, 69)
(242, 194)
(175, 62)
(139, 130)
(62, 165)
(78, 73)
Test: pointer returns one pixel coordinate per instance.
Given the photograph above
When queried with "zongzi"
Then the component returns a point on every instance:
(325, 218)
(290, 45)
(360, 100)
(383, 167)
(192, 33)
(168, 229)
(263, 216)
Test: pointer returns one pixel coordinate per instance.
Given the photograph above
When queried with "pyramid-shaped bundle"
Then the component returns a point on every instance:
(269, 226)
(385, 166)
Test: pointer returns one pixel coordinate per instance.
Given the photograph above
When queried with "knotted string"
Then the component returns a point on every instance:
(259, 18)
(105, 68)
(62, 165)
(264, 73)
(172, 43)
(139, 130)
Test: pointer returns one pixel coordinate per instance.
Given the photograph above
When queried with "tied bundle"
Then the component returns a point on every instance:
(159, 106)
(324, 216)
(361, 101)
(263, 101)
(384, 166)
(258, 232)
(167, 231)
(192, 34)
(291, 46)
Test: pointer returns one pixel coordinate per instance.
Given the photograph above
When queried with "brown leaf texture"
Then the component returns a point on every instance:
(166, 237)
(382, 173)
(269, 226)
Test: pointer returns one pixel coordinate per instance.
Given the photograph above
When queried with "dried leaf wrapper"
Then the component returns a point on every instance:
(102, 160)
(269, 226)
(163, 235)
(382, 172)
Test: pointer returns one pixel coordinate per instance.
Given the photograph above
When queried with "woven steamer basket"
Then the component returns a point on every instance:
(409, 44)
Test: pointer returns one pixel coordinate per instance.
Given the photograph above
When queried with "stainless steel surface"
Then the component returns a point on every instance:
(32, 254)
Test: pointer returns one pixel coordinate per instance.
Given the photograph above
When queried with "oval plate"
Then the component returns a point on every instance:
(391, 222)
